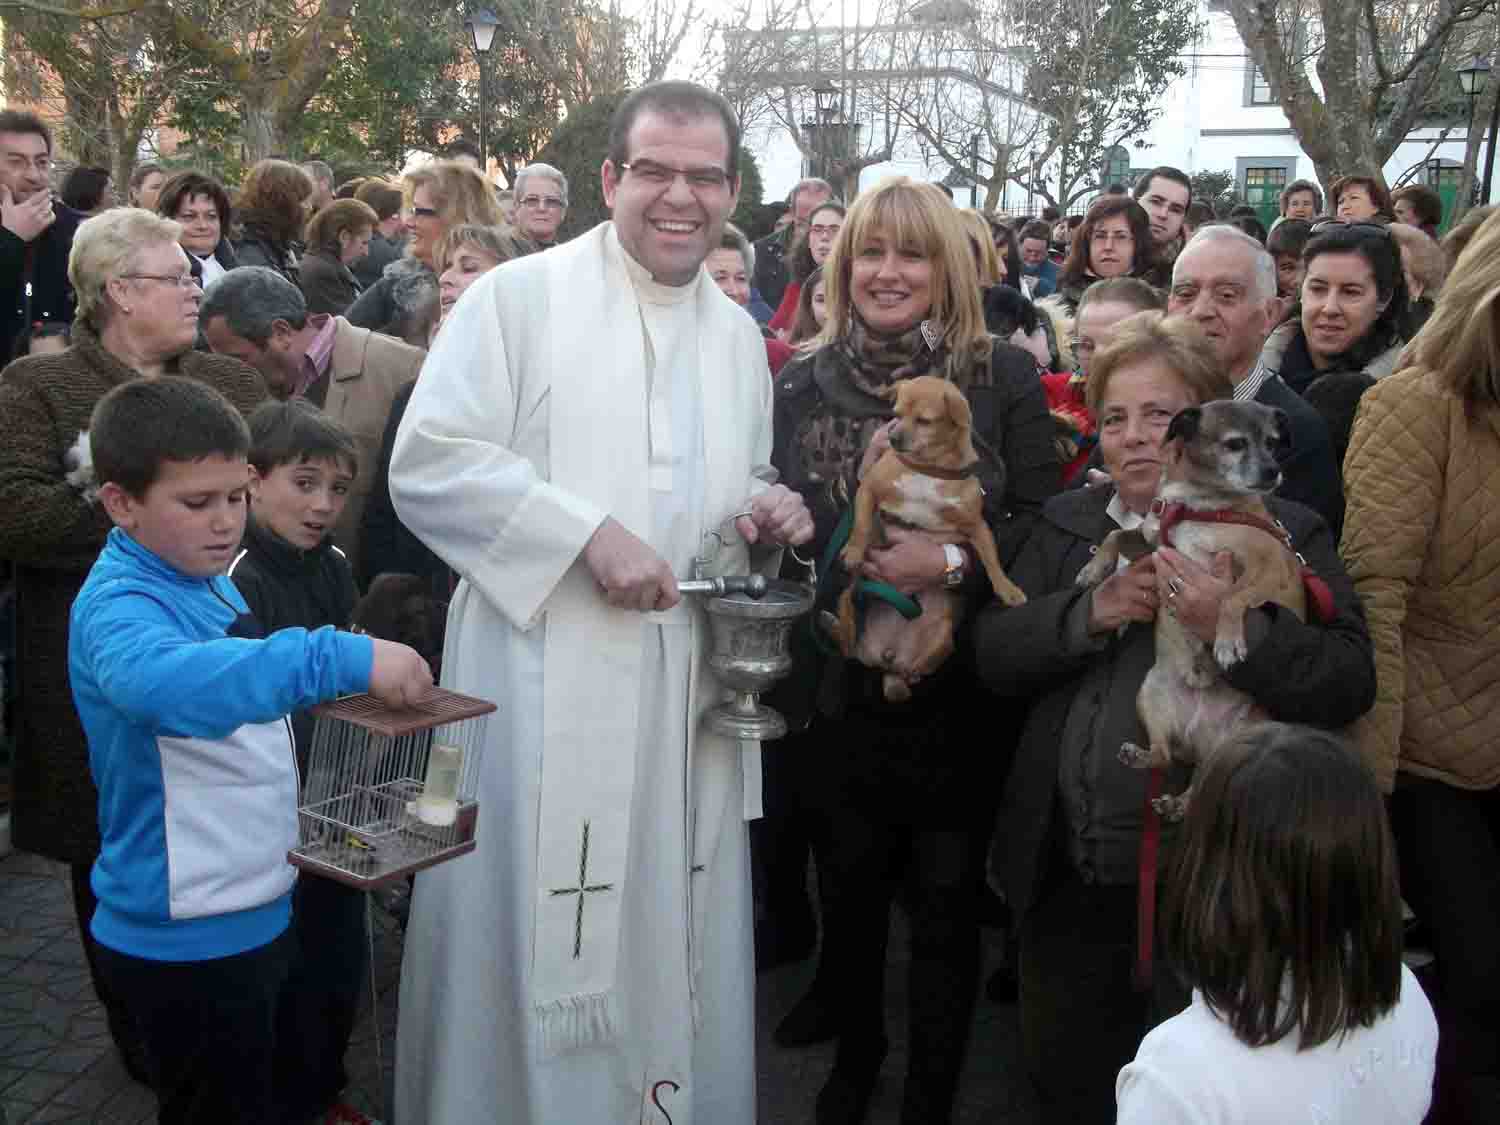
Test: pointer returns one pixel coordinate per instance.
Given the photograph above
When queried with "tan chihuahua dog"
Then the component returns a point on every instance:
(924, 483)
(1221, 463)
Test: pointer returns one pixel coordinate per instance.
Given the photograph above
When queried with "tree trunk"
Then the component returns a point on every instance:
(263, 137)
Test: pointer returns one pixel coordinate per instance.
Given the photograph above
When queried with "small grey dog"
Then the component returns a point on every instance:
(1220, 464)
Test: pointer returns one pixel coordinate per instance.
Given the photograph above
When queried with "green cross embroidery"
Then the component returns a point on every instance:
(583, 890)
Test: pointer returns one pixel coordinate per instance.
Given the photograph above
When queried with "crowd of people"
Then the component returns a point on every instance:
(229, 414)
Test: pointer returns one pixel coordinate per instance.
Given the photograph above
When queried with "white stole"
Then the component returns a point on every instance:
(598, 434)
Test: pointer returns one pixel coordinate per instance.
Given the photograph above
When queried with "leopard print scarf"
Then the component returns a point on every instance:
(857, 376)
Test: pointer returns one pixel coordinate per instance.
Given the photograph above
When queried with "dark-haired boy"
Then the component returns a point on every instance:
(302, 467)
(184, 699)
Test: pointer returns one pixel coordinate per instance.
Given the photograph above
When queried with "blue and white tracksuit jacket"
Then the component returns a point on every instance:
(191, 752)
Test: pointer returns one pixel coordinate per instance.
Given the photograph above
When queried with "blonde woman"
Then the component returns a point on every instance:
(882, 782)
(438, 197)
(1421, 538)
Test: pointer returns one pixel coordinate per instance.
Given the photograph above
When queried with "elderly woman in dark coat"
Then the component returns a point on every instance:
(137, 318)
(338, 237)
(273, 206)
(1070, 843)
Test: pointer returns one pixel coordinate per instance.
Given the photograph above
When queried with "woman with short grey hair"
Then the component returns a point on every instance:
(541, 202)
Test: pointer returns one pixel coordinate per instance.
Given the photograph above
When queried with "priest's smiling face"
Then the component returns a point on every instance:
(670, 199)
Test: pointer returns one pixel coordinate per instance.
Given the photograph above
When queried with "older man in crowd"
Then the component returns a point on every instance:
(541, 194)
(586, 419)
(771, 272)
(257, 316)
(1225, 281)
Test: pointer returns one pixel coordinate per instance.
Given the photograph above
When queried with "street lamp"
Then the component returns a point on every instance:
(481, 28)
(825, 124)
(1472, 79)
(829, 100)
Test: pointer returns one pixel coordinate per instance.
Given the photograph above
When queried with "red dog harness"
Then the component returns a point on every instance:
(1319, 601)
(1319, 596)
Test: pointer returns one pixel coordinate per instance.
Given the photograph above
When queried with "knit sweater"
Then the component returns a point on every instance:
(53, 536)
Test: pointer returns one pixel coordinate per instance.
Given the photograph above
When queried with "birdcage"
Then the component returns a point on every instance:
(388, 792)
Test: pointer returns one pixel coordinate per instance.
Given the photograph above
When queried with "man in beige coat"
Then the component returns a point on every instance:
(261, 318)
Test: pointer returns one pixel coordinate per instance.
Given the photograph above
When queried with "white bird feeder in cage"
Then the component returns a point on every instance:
(388, 791)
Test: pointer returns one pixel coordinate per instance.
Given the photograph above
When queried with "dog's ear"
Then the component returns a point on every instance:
(1185, 424)
(1283, 432)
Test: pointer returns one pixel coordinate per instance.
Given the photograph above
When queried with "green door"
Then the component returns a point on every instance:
(1444, 180)
(1263, 192)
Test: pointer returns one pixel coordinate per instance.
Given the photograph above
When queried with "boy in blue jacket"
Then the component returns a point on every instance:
(184, 702)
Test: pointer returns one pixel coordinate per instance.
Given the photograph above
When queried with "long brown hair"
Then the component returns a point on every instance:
(1282, 906)
(272, 196)
(920, 217)
(805, 327)
(1142, 256)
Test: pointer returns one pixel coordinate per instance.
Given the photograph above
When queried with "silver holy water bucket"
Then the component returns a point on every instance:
(750, 619)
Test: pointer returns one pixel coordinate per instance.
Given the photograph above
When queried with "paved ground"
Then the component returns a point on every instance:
(57, 1065)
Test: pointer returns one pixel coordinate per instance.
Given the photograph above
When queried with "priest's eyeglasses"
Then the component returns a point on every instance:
(660, 175)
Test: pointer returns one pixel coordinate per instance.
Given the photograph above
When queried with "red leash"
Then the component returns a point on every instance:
(1145, 903)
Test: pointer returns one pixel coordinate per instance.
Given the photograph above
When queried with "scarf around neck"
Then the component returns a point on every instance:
(875, 362)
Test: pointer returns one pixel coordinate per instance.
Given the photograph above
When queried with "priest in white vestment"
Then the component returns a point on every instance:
(587, 416)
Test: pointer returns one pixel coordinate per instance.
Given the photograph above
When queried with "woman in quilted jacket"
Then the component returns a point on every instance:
(1422, 542)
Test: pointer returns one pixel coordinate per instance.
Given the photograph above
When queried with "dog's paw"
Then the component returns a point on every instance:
(1137, 757)
(1013, 597)
(1170, 808)
(852, 557)
(1229, 650)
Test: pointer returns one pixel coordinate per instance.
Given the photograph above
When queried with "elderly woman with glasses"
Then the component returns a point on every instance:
(137, 319)
(1351, 309)
(541, 196)
(439, 197)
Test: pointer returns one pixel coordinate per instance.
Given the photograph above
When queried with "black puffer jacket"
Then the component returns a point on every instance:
(1083, 691)
(287, 587)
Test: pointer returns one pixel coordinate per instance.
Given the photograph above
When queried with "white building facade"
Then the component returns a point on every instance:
(1219, 117)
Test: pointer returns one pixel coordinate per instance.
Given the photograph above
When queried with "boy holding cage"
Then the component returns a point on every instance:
(184, 700)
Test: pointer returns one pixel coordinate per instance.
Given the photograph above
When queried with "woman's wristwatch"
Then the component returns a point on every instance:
(953, 572)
